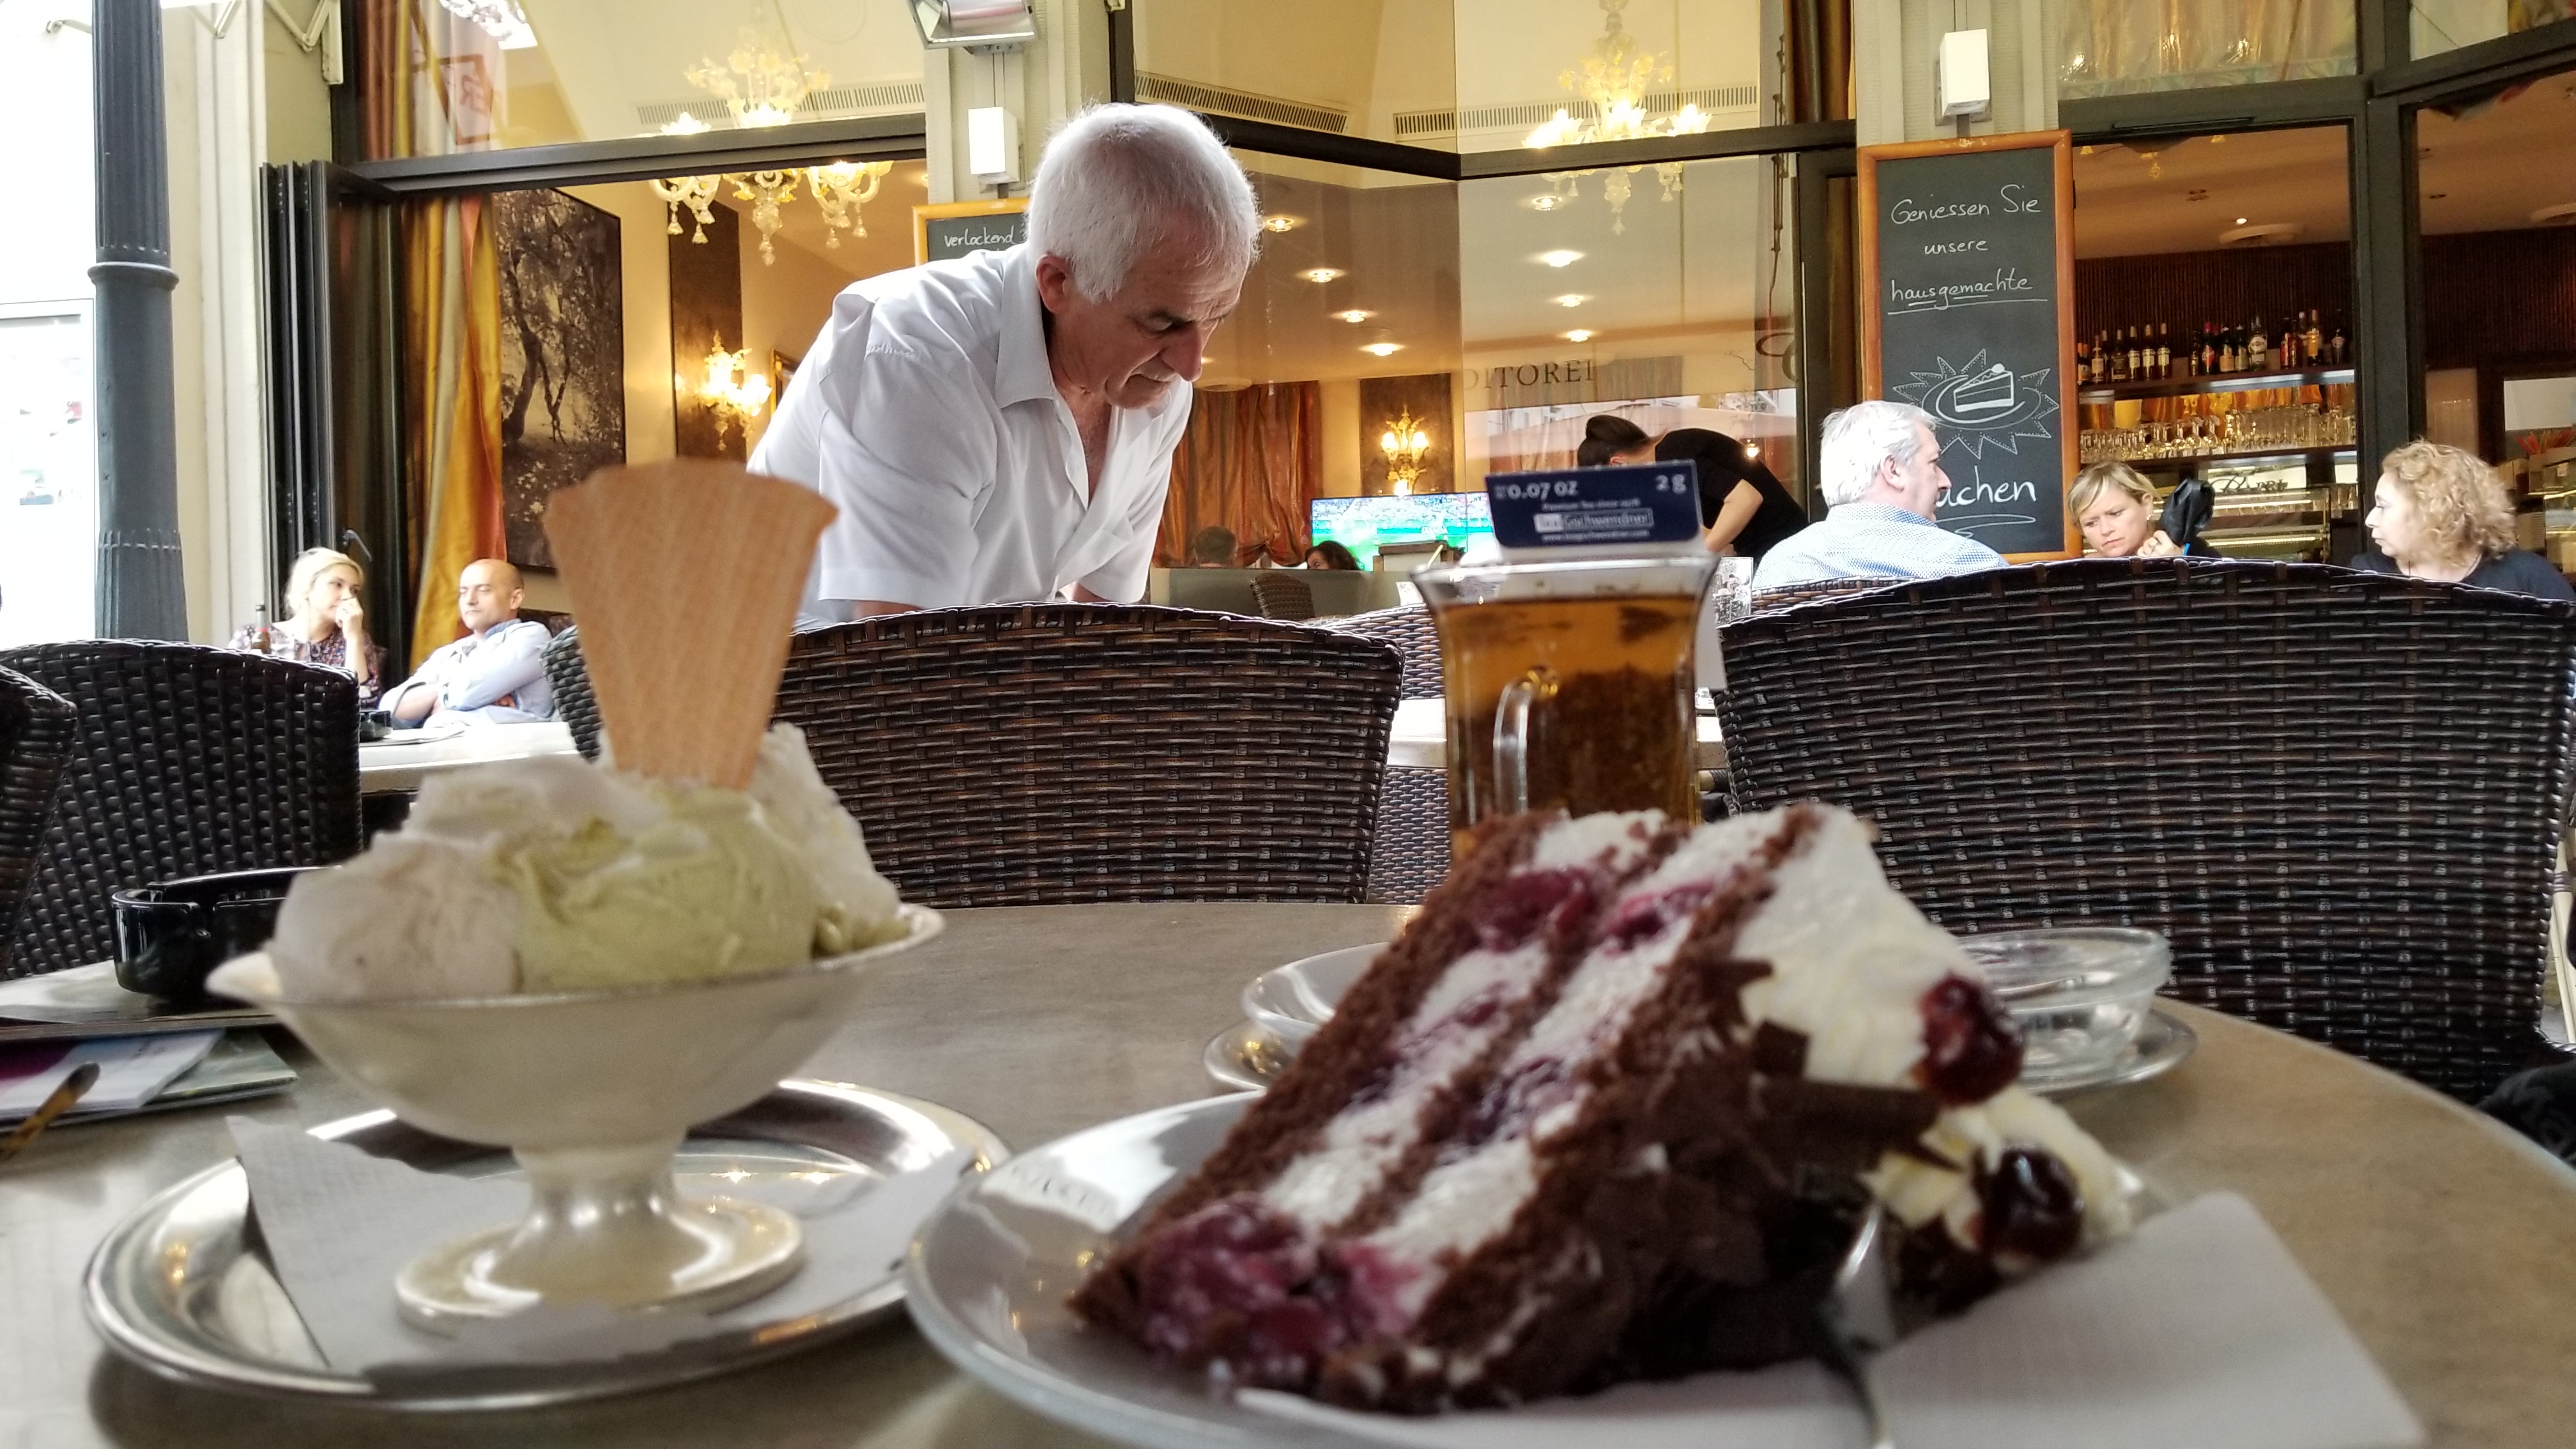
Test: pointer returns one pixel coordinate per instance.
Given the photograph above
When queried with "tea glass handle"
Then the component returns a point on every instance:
(1511, 737)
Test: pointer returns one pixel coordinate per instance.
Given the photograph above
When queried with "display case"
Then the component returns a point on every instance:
(2549, 479)
(2275, 448)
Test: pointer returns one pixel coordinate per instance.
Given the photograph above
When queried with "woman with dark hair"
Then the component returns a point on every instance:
(1742, 507)
(1609, 438)
(1327, 554)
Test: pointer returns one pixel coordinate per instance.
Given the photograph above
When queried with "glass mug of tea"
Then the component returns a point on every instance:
(1569, 683)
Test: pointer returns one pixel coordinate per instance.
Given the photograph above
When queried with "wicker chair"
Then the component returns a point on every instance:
(1770, 600)
(2339, 794)
(184, 760)
(1283, 594)
(1412, 850)
(1042, 753)
(575, 705)
(35, 739)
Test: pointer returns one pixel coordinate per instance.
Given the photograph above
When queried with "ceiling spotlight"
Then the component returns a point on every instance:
(1356, 314)
(1281, 221)
(1570, 299)
(1320, 274)
(1579, 334)
(1560, 257)
(2240, 221)
(1544, 201)
(1384, 349)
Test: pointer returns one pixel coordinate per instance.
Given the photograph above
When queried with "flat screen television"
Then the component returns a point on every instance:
(1363, 524)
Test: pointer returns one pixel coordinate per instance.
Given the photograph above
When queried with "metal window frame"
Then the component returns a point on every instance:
(641, 158)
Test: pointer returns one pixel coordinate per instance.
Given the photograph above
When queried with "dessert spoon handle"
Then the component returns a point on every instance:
(1858, 1316)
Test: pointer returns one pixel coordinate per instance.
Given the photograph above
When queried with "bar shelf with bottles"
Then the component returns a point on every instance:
(2266, 420)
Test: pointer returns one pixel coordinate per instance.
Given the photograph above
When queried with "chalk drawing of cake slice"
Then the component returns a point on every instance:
(1982, 395)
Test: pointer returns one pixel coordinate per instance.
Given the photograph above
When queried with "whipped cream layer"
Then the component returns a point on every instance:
(553, 874)
(1458, 1021)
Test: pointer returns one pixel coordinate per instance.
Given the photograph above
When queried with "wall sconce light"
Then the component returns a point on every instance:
(734, 396)
(1405, 445)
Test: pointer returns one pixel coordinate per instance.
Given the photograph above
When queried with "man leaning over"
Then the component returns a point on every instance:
(1000, 427)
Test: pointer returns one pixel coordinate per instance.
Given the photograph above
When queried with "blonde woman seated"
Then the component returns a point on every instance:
(2117, 510)
(2441, 514)
(327, 625)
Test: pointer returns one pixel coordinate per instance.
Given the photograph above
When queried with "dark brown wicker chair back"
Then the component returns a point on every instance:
(1283, 594)
(2339, 794)
(185, 760)
(35, 739)
(1417, 643)
(1768, 600)
(575, 705)
(1412, 851)
(1042, 753)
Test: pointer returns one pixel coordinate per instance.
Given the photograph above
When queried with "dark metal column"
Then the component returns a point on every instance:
(2387, 284)
(141, 594)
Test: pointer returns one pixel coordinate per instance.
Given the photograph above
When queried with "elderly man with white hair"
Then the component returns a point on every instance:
(1000, 427)
(1882, 479)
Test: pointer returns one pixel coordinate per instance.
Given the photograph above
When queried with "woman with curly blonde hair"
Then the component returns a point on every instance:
(2441, 514)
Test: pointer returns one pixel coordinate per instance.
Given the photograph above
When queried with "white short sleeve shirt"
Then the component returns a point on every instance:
(927, 413)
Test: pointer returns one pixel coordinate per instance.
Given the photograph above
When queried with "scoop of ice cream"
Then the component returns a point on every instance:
(552, 874)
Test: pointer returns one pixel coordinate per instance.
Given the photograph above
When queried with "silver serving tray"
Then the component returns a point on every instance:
(1248, 1057)
(184, 1288)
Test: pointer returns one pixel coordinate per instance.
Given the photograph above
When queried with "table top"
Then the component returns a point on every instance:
(1419, 739)
(398, 764)
(2447, 1242)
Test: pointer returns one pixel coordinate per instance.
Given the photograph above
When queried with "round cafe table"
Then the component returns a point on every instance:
(2448, 1243)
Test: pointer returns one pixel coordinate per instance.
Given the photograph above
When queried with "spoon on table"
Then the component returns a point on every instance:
(56, 1103)
(1858, 1316)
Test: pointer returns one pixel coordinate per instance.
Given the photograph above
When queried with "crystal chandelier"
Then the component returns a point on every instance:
(763, 89)
(1613, 83)
(736, 397)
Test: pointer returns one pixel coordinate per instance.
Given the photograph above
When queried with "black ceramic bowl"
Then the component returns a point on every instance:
(170, 934)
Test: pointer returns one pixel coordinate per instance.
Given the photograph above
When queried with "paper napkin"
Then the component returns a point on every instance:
(2198, 1330)
(340, 1224)
(132, 1070)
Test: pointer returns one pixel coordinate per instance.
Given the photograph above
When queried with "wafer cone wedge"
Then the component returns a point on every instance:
(684, 577)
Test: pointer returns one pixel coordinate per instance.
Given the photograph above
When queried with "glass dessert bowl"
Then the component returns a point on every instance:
(593, 1091)
(2080, 994)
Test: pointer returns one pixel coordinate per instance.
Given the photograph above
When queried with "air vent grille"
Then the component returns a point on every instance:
(1410, 125)
(1191, 95)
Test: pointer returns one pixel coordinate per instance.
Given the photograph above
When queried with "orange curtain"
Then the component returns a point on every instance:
(451, 403)
(1250, 462)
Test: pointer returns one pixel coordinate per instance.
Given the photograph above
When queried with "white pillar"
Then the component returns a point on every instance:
(1064, 69)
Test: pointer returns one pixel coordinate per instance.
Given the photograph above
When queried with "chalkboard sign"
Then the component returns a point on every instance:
(953, 230)
(1967, 254)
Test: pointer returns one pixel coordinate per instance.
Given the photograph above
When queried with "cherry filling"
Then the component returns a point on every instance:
(1643, 918)
(1221, 1285)
(1509, 1105)
(1531, 904)
(2032, 1207)
(1971, 1049)
(1240, 1285)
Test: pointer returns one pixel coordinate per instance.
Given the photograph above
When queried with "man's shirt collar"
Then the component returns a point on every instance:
(1022, 373)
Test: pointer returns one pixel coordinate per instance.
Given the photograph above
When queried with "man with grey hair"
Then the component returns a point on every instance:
(1882, 479)
(1000, 427)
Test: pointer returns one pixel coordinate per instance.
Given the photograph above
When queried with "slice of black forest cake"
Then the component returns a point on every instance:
(1603, 1112)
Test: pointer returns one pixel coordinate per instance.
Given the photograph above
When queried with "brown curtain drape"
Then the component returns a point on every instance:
(1250, 462)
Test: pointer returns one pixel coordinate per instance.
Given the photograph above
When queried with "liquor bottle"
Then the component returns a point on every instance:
(2132, 356)
(2315, 341)
(261, 640)
(2208, 349)
(2083, 359)
(2227, 350)
(2099, 370)
(2258, 353)
(2164, 353)
(2334, 349)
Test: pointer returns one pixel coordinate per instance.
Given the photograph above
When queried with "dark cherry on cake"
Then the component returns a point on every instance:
(1569, 1130)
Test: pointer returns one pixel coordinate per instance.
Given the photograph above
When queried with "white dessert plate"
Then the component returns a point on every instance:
(988, 1276)
(184, 1287)
(1293, 1002)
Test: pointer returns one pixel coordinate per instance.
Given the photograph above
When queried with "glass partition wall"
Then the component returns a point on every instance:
(448, 76)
